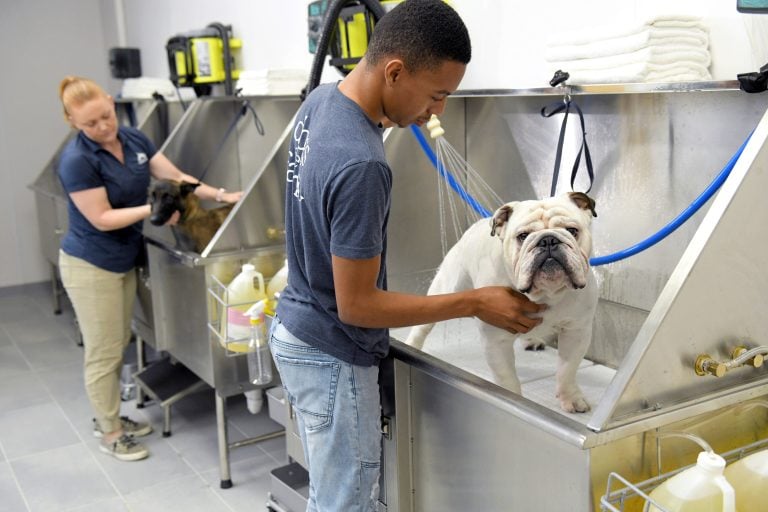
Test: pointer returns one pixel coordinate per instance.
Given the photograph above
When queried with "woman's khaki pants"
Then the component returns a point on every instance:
(103, 303)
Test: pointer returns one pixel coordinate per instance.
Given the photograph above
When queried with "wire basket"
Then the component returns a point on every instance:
(616, 500)
(234, 344)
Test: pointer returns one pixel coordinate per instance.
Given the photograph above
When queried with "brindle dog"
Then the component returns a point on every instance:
(196, 226)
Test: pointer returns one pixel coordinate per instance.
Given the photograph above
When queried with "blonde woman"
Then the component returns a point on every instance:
(105, 171)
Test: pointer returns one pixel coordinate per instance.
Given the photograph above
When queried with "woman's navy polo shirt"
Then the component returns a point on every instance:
(85, 165)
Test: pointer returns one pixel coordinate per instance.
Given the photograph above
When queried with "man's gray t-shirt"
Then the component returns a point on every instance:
(337, 202)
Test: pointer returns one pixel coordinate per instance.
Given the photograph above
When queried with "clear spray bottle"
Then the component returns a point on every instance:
(259, 358)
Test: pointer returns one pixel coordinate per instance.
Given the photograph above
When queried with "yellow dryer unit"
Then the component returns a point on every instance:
(202, 58)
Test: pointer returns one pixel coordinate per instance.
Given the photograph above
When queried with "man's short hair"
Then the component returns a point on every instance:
(423, 33)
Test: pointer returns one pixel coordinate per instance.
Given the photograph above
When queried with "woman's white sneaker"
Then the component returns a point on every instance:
(124, 448)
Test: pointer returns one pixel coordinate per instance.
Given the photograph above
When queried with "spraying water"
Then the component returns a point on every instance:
(458, 178)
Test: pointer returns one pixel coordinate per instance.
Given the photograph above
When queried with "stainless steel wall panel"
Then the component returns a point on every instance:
(470, 455)
(713, 301)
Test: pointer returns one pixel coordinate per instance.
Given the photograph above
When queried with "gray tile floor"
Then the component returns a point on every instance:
(49, 459)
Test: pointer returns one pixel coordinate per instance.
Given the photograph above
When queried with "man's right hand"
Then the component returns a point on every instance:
(507, 309)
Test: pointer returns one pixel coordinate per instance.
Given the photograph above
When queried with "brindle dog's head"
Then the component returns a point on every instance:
(167, 196)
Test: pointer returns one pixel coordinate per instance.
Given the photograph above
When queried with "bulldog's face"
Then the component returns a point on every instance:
(546, 243)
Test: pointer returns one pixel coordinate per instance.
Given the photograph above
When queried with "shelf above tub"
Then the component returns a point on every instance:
(634, 88)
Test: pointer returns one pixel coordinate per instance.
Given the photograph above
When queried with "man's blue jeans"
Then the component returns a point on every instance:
(338, 408)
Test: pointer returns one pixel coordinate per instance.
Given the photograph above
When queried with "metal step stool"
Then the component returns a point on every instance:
(167, 383)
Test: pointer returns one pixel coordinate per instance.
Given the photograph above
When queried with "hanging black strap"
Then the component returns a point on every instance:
(565, 106)
(245, 107)
(162, 114)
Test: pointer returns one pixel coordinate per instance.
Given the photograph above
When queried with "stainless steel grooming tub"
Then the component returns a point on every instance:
(218, 141)
(458, 441)
(154, 118)
(454, 440)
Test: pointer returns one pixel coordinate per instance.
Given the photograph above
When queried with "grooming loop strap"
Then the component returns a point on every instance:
(565, 107)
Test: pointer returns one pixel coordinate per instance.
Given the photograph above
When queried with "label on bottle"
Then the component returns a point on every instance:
(238, 325)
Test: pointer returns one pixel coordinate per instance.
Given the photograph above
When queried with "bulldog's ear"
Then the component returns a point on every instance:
(500, 217)
(187, 188)
(583, 201)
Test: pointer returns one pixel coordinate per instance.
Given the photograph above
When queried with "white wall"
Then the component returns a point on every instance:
(42, 41)
(51, 38)
(274, 32)
(508, 36)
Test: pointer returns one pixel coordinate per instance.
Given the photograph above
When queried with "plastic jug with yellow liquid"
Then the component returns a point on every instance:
(245, 289)
(701, 488)
(749, 478)
(278, 281)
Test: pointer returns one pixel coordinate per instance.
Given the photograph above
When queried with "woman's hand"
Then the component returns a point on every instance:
(231, 197)
(174, 219)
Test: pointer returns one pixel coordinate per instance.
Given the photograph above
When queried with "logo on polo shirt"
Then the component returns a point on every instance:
(141, 158)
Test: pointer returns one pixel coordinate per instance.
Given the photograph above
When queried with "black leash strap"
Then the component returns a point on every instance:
(565, 106)
(245, 107)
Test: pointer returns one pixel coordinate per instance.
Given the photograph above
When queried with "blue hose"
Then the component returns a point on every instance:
(620, 255)
(447, 176)
(677, 221)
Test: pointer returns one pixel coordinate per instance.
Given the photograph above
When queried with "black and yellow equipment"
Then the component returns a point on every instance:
(204, 57)
(352, 32)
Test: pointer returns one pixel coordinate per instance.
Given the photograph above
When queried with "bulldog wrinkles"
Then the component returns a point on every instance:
(540, 248)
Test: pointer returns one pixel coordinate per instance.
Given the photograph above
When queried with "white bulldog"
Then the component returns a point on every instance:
(540, 248)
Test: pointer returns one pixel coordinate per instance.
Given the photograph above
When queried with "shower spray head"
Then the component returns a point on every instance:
(435, 130)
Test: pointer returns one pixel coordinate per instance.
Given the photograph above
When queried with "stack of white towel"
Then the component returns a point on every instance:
(143, 88)
(272, 81)
(664, 49)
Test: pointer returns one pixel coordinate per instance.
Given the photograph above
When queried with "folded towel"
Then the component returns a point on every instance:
(692, 38)
(663, 48)
(259, 82)
(144, 87)
(694, 23)
(640, 72)
(657, 54)
(598, 33)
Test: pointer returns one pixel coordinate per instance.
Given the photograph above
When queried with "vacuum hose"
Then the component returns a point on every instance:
(224, 34)
(329, 25)
(620, 255)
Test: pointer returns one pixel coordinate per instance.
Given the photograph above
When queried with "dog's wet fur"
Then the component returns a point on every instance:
(196, 225)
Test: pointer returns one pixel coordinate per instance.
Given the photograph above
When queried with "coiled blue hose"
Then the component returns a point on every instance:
(619, 255)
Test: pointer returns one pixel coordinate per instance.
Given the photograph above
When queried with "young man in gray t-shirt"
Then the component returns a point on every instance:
(333, 317)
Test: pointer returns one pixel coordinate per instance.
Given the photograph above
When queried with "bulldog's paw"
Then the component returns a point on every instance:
(532, 343)
(575, 403)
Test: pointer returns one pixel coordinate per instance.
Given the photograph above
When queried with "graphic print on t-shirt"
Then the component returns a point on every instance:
(297, 156)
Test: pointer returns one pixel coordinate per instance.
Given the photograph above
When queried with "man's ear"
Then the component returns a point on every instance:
(393, 71)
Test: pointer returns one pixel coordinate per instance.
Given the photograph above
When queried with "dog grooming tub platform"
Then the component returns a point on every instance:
(220, 141)
(454, 440)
